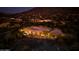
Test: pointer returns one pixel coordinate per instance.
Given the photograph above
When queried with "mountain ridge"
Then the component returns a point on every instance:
(48, 11)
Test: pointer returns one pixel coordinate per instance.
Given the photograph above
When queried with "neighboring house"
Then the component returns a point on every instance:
(4, 24)
(41, 20)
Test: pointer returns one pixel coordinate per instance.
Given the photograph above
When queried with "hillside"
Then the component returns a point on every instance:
(48, 11)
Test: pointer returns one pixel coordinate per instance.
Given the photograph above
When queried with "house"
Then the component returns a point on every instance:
(41, 20)
(41, 32)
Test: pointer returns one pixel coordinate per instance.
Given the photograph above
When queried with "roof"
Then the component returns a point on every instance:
(37, 28)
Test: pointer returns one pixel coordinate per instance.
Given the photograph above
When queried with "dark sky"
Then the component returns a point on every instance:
(14, 9)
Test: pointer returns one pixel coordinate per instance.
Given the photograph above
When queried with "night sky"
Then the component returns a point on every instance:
(14, 9)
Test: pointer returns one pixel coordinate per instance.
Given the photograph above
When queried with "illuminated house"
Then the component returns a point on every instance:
(17, 20)
(41, 20)
(35, 31)
(4, 24)
(40, 32)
